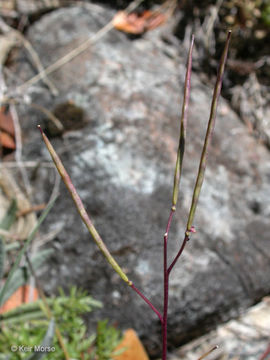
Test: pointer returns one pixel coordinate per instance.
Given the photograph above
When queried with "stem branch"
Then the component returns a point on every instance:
(86, 219)
(147, 302)
(178, 254)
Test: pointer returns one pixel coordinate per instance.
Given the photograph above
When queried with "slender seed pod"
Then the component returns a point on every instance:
(183, 129)
(208, 136)
(79, 205)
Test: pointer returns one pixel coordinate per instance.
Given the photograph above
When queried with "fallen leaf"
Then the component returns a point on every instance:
(7, 141)
(138, 23)
(133, 348)
(20, 296)
(154, 19)
(6, 121)
(128, 23)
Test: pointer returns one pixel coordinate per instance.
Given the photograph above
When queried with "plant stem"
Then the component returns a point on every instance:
(177, 176)
(208, 136)
(165, 301)
(179, 253)
(208, 352)
(166, 286)
(86, 219)
(183, 127)
(147, 302)
(266, 353)
(81, 209)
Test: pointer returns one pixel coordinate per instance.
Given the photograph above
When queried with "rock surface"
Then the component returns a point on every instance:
(122, 164)
(244, 338)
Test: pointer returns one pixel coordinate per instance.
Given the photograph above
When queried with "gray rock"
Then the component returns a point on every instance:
(122, 164)
(244, 338)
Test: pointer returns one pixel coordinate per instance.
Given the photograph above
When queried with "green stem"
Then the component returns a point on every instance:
(79, 205)
(25, 246)
(183, 128)
(208, 136)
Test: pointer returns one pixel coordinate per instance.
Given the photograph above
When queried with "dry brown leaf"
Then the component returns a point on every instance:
(6, 121)
(133, 347)
(19, 297)
(154, 19)
(7, 141)
(138, 23)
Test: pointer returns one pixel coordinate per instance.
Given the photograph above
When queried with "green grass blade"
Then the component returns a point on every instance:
(23, 309)
(21, 253)
(2, 258)
(13, 246)
(5, 224)
(22, 274)
(10, 216)
(21, 318)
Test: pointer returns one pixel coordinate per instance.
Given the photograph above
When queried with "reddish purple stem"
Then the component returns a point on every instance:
(179, 253)
(169, 221)
(266, 353)
(163, 319)
(166, 287)
(166, 280)
(147, 302)
(166, 298)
